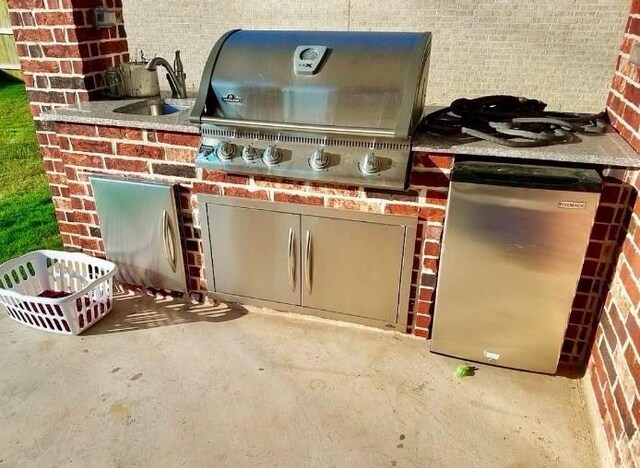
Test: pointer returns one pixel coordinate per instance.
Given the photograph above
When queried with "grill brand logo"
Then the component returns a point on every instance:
(572, 205)
(231, 98)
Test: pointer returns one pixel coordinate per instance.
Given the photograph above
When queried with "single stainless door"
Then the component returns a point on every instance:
(255, 253)
(509, 268)
(352, 267)
(140, 230)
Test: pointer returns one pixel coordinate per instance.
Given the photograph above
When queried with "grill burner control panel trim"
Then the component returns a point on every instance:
(372, 166)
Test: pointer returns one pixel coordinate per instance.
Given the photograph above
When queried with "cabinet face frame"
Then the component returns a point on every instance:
(410, 225)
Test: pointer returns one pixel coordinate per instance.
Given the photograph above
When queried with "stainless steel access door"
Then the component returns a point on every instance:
(255, 253)
(509, 268)
(352, 267)
(140, 229)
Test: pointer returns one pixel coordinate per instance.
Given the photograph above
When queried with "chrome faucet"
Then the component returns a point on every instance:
(175, 74)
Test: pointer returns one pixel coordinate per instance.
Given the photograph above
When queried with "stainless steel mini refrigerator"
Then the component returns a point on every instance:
(514, 243)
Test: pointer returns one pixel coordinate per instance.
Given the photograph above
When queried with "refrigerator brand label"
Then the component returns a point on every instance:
(572, 205)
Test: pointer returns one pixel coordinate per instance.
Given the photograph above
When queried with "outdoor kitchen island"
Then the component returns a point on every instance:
(91, 139)
(574, 57)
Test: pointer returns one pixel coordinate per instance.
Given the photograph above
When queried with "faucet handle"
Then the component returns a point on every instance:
(178, 67)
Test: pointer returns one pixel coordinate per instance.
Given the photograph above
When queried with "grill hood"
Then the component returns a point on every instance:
(354, 83)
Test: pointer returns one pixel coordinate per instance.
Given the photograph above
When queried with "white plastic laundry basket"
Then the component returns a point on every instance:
(60, 292)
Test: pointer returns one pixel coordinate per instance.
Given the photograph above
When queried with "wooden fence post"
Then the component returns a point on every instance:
(9, 62)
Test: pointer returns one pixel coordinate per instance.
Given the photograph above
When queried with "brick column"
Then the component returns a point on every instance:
(623, 104)
(63, 58)
(614, 369)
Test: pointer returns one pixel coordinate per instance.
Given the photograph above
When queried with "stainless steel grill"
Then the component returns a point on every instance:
(313, 105)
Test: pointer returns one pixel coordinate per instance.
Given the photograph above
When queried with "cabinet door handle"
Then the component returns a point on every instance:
(308, 266)
(292, 258)
(169, 240)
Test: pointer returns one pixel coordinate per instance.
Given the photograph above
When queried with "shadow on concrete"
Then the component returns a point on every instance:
(134, 311)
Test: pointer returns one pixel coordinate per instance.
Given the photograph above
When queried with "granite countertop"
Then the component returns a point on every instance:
(102, 113)
(605, 149)
(608, 149)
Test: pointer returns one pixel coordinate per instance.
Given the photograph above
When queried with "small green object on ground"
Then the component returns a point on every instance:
(27, 219)
(464, 370)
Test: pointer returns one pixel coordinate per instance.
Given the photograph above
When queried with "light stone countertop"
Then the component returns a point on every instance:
(102, 113)
(608, 149)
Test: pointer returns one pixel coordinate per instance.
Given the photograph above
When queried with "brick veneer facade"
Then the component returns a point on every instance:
(157, 155)
(614, 369)
(63, 57)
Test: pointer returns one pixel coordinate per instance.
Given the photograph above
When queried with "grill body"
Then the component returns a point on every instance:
(313, 105)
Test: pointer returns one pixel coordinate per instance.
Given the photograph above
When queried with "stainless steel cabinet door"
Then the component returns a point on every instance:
(352, 267)
(140, 229)
(255, 253)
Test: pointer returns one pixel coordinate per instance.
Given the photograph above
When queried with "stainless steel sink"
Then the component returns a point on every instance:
(150, 107)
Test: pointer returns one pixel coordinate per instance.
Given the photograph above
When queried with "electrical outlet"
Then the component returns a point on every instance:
(103, 17)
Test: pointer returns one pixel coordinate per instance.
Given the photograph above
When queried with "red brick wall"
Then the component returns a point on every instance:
(597, 272)
(62, 54)
(614, 369)
(63, 58)
(623, 105)
(88, 149)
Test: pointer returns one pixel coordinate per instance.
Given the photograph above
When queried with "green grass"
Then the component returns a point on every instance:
(27, 220)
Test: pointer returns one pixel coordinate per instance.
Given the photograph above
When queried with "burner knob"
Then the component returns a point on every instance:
(370, 164)
(206, 152)
(249, 153)
(271, 155)
(226, 150)
(319, 160)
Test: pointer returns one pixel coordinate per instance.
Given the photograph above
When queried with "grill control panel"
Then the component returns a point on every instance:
(352, 164)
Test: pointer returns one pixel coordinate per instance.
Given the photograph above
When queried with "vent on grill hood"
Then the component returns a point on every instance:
(349, 83)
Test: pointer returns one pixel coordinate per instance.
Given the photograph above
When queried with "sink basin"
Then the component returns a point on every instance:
(150, 107)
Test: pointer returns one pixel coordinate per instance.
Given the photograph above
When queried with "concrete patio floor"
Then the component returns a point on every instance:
(163, 383)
